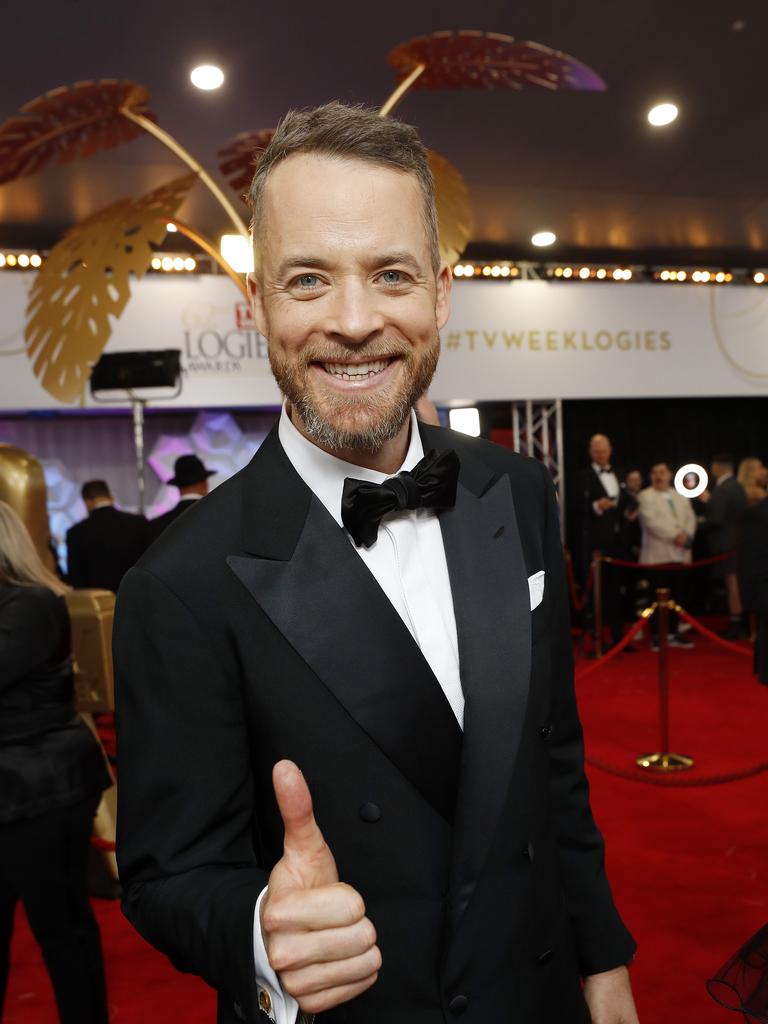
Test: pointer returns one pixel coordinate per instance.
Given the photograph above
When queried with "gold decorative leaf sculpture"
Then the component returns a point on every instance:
(238, 157)
(85, 284)
(454, 211)
(67, 123)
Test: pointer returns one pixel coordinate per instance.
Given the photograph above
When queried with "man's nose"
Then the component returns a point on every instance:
(354, 313)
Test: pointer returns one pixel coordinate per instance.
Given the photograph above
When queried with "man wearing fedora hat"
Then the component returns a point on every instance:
(191, 477)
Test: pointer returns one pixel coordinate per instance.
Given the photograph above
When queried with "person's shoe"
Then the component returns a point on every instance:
(684, 627)
(735, 631)
(681, 641)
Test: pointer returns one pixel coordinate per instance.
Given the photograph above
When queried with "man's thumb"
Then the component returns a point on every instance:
(302, 835)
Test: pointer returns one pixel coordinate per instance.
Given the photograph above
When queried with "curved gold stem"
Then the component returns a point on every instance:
(401, 90)
(213, 252)
(189, 160)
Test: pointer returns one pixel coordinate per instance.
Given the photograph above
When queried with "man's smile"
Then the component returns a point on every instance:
(357, 375)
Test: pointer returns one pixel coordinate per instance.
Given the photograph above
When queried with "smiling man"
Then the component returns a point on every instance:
(351, 765)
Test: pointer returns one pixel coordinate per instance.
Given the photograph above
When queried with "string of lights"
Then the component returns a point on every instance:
(502, 270)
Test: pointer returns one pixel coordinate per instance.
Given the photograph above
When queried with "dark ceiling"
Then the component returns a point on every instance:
(586, 165)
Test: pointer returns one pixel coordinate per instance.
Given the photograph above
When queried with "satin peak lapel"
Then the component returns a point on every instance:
(493, 618)
(329, 607)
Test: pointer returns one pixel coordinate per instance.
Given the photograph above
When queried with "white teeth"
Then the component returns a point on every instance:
(356, 372)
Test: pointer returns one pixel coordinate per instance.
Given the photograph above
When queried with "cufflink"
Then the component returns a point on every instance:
(265, 1002)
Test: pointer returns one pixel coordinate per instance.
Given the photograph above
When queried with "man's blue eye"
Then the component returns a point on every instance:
(308, 281)
(392, 276)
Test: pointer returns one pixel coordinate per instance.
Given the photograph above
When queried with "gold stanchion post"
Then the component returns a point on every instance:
(664, 760)
(597, 593)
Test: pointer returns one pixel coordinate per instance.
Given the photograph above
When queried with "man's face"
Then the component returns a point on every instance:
(600, 450)
(347, 297)
(634, 482)
(661, 476)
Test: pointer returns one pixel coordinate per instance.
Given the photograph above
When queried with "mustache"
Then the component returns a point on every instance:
(323, 353)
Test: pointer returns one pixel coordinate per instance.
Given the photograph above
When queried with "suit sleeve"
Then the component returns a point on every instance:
(77, 575)
(601, 938)
(185, 849)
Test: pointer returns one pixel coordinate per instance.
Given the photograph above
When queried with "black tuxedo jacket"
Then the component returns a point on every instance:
(252, 631)
(600, 533)
(102, 548)
(160, 523)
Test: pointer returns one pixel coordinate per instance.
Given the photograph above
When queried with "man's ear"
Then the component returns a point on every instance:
(443, 296)
(257, 303)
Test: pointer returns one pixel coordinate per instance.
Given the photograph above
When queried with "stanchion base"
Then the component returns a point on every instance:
(665, 762)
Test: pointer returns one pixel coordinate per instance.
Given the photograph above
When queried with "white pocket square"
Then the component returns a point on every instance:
(536, 588)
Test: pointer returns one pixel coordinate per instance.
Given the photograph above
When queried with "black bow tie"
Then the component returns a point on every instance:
(606, 469)
(430, 484)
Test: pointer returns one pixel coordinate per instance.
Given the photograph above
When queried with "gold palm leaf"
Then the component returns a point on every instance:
(67, 123)
(454, 211)
(85, 284)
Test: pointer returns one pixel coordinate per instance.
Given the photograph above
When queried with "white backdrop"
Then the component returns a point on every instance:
(510, 340)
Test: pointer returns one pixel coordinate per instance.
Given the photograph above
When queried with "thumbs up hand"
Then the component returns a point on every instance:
(318, 939)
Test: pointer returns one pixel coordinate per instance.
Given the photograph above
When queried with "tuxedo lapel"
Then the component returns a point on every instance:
(302, 570)
(492, 607)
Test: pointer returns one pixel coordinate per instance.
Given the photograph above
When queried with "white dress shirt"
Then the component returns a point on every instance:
(408, 562)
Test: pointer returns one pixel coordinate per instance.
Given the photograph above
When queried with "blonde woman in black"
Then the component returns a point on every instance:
(52, 773)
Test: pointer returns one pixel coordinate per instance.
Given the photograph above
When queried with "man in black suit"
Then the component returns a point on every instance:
(723, 507)
(102, 548)
(191, 478)
(402, 639)
(752, 570)
(601, 523)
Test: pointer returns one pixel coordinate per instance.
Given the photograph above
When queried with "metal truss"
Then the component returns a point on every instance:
(537, 431)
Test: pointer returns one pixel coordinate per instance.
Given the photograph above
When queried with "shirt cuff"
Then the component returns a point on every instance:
(278, 1005)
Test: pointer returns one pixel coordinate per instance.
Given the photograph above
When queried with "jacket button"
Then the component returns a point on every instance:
(527, 852)
(458, 1005)
(370, 812)
(545, 732)
(545, 957)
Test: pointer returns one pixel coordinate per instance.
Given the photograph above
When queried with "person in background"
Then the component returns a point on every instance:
(630, 539)
(191, 478)
(752, 572)
(601, 525)
(668, 525)
(723, 507)
(102, 548)
(52, 774)
(753, 477)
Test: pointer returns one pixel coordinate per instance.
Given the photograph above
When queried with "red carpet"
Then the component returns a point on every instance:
(688, 865)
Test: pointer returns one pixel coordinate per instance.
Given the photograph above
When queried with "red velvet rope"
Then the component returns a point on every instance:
(700, 628)
(631, 633)
(579, 600)
(103, 844)
(667, 565)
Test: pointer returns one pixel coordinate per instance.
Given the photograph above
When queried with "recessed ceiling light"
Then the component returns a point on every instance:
(661, 114)
(207, 76)
(171, 227)
(542, 238)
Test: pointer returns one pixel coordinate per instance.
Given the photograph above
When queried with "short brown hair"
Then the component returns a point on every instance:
(353, 132)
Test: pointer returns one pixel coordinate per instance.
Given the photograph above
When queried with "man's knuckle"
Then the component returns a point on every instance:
(369, 933)
(355, 904)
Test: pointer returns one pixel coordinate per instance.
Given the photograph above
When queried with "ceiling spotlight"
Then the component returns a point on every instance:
(190, 263)
(759, 277)
(584, 273)
(156, 263)
(35, 260)
(23, 260)
(207, 77)
(661, 114)
(601, 273)
(170, 226)
(567, 272)
(543, 238)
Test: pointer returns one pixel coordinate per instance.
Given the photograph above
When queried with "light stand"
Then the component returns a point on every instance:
(126, 371)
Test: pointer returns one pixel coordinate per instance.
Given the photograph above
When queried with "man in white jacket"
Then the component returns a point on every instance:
(668, 524)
